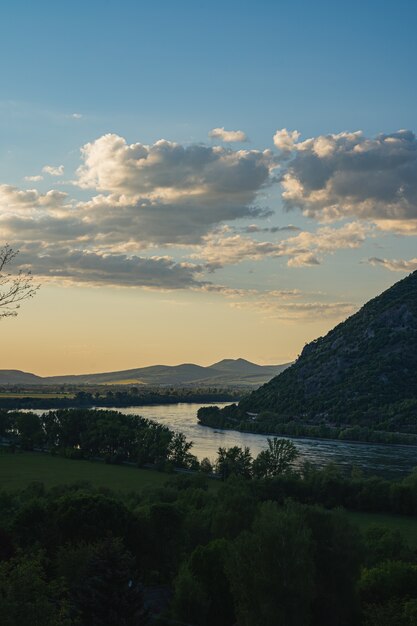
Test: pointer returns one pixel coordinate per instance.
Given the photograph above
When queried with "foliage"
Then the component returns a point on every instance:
(26, 593)
(253, 551)
(276, 459)
(202, 591)
(108, 435)
(234, 461)
(271, 570)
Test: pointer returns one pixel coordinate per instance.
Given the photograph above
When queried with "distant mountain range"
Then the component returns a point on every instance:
(228, 372)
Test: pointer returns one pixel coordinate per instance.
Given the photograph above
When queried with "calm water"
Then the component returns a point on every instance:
(389, 461)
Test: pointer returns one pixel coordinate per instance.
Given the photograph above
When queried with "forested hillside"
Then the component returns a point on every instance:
(361, 377)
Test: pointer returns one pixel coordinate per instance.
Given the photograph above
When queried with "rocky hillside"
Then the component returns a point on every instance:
(363, 372)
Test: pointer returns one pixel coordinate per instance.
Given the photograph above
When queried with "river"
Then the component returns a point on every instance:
(384, 460)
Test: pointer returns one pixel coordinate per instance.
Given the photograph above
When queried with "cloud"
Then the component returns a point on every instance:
(143, 196)
(228, 136)
(76, 116)
(169, 193)
(302, 250)
(306, 259)
(33, 179)
(231, 292)
(80, 266)
(285, 140)
(300, 311)
(348, 175)
(164, 200)
(169, 171)
(254, 228)
(395, 265)
(398, 227)
(53, 170)
(14, 200)
(289, 305)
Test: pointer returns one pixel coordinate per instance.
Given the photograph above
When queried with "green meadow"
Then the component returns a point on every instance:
(21, 468)
(407, 526)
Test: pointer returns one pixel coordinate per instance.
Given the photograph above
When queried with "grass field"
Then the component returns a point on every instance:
(407, 526)
(19, 469)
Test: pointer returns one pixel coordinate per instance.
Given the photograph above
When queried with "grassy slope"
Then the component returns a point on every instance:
(19, 469)
(407, 526)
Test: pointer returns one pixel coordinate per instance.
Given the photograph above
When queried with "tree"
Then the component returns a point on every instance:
(202, 592)
(234, 461)
(276, 459)
(13, 288)
(105, 588)
(26, 596)
(179, 451)
(271, 570)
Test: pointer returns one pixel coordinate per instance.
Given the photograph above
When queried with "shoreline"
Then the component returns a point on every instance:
(311, 438)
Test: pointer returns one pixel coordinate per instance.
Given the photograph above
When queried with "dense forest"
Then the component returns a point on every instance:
(263, 544)
(251, 552)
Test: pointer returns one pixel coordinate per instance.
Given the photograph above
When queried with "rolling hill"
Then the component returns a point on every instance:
(229, 372)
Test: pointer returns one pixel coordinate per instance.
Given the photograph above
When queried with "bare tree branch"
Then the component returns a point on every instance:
(14, 288)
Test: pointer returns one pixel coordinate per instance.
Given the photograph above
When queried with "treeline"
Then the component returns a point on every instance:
(131, 396)
(185, 553)
(267, 422)
(116, 438)
(106, 435)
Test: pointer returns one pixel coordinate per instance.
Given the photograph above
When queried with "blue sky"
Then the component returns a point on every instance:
(74, 72)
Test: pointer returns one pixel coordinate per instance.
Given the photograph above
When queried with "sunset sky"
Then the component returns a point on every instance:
(196, 181)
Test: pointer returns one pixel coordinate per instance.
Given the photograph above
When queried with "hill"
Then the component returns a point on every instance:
(229, 372)
(17, 377)
(360, 377)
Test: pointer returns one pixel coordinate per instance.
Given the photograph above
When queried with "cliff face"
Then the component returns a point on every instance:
(363, 371)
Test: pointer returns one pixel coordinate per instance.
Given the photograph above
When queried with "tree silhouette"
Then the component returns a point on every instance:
(14, 288)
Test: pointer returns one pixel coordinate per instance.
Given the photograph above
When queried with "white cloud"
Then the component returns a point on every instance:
(33, 179)
(228, 136)
(395, 265)
(347, 175)
(53, 170)
(285, 140)
(169, 193)
(399, 227)
(302, 250)
(14, 200)
(170, 198)
(306, 259)
(170, 172)
(76, 116)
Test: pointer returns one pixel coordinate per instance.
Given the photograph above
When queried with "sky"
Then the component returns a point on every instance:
(195, 181)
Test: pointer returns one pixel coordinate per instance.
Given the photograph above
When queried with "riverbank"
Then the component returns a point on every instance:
(231, 418)
(306, 438)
